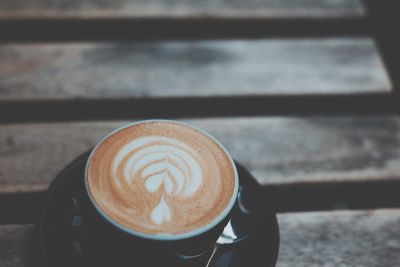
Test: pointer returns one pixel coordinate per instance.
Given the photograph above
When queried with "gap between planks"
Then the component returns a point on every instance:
(125, 29)
(183, 107)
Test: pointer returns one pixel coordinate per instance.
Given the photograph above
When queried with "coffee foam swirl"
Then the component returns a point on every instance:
(165, 164)
(160, 177)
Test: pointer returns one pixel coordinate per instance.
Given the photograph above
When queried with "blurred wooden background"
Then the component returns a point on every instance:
(302, 92)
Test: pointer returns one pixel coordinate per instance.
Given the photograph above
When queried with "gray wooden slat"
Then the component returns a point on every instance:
(15, 242)
(276, 150)
(179, 8)
(190, 68)
(342, 238)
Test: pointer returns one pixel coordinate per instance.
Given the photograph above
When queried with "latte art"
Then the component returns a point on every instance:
(160, 178)
(164, 164)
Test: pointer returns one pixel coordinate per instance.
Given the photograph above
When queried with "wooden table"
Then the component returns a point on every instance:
(296, 90)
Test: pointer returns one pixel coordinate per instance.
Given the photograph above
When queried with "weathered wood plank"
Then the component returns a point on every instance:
(179, 8)
(276, 150)
(340, 238)
(15, 245)
(193, 68)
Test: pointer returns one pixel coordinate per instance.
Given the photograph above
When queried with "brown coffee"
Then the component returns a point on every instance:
(160, 177)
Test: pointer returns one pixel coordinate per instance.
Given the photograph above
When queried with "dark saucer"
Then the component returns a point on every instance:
(72, 234)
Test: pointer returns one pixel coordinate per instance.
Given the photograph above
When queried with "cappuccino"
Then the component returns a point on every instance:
(161, 178)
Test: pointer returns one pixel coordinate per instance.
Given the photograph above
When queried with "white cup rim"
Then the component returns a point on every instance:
(166, 237)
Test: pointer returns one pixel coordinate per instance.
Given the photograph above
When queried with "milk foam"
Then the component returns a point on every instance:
(160, 177)
(165, 164)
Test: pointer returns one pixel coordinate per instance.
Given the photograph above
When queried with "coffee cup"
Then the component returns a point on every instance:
(164, 183)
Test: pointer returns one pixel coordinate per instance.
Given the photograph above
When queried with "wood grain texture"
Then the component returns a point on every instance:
(193, 68)
(276, 150)
(342, 238)
(15, 245)
(180, 8)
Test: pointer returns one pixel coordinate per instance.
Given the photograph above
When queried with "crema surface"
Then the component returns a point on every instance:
(160, 177)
